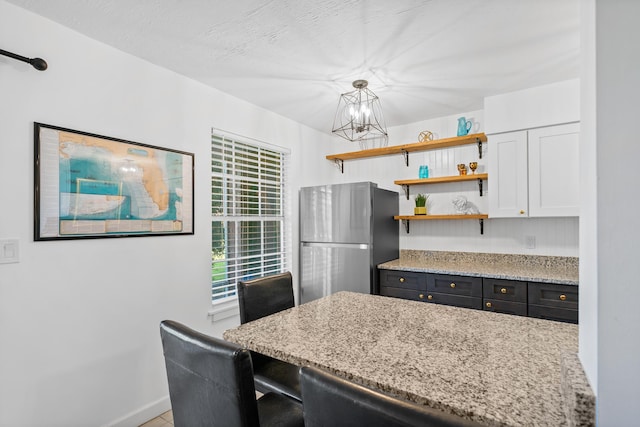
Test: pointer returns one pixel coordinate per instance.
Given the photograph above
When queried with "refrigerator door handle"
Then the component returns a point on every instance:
(335, 245)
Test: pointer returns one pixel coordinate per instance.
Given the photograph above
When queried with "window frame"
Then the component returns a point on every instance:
(230, 188)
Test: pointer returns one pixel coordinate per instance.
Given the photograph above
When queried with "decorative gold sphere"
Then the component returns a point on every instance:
(425, 136)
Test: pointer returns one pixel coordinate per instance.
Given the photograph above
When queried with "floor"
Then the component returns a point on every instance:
(164, 420)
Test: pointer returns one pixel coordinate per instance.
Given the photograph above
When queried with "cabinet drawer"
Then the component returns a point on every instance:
(553, 313)
(550, 295)
(456, 300)
(456, 285)
(507, 290)
(402, 279)
(501, 306)
(410, 294)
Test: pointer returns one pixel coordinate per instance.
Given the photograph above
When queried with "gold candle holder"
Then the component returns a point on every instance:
(473, 166)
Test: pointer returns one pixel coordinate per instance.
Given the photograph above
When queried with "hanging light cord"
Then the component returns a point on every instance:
(37, 63)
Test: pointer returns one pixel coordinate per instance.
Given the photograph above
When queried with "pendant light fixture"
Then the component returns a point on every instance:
(359, 117)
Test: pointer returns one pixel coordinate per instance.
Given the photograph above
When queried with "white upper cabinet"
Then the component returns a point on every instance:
(554, 172)
(534, 173)
(507, 167)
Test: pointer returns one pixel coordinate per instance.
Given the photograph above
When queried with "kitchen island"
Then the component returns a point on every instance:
(498, 369)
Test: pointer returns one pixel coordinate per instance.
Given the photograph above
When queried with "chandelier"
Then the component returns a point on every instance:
(359, 117)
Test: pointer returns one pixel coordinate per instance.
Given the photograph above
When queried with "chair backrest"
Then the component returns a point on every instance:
(264, 296)
(332, 401)
(210, 380)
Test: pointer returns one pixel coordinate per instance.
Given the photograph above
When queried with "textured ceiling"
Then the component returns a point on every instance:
(423, 58)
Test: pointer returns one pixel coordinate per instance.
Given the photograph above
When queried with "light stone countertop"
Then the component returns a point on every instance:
(498, 369)
(533, 268)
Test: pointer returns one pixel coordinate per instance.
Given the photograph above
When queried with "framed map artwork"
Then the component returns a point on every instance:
(91, 186)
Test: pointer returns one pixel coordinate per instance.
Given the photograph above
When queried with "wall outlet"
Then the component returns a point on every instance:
(530, 242)
(9, 251)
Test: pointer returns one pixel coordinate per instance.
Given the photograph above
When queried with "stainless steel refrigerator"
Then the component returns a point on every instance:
(346, 230)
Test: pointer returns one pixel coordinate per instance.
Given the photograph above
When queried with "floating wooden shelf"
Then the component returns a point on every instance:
(405, 149)
(441, 179)
(406, 218)
(405, 183)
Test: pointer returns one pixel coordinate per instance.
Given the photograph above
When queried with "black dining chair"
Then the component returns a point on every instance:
(332, 401)
(211, 384)
(259, 298)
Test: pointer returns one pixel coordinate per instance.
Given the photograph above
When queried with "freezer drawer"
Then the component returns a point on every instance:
(327, 268)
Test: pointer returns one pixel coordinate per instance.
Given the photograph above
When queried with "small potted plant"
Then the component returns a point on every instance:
(421, 204)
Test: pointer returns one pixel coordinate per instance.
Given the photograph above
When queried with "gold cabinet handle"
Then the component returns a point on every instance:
(429, 297)
(453, 285)
(503, 290)
(421, 296)
(402, 280)
(488, 305)
(521, 212)
(563, 297)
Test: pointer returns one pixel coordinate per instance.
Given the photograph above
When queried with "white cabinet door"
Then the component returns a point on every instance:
(554, 170)
(508, 188)
(534, 173)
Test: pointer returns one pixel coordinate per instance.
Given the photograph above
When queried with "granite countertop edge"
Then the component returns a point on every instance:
(543, 269)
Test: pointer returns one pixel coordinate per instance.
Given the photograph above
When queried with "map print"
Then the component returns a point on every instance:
(114, 187)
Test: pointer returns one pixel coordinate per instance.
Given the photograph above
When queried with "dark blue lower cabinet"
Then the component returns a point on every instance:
(553, 302)
(534, 299)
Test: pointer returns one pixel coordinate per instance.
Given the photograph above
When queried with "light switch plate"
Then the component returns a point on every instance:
(9, 251)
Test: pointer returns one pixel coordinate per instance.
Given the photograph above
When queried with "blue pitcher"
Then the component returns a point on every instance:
(464, 126)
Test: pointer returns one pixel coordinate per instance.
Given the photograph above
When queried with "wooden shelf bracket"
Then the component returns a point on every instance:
(479, 147)
(405, 187)
(481, 225)
(339, 164)
(479, 186)
(405, 154)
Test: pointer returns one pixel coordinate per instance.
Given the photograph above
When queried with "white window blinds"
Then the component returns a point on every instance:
(250, 236)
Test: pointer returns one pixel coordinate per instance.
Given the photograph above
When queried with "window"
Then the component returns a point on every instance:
(250, 236)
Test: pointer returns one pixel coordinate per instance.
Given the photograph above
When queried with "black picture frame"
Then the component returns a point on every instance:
(89, 186)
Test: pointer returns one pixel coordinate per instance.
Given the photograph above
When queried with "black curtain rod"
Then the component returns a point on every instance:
(37, 63)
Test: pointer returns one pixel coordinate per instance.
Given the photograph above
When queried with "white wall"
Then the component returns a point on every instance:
(79, 319)
(588, 310)
(614, 292)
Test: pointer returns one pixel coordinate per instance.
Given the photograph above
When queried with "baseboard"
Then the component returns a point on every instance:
(142, 415)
